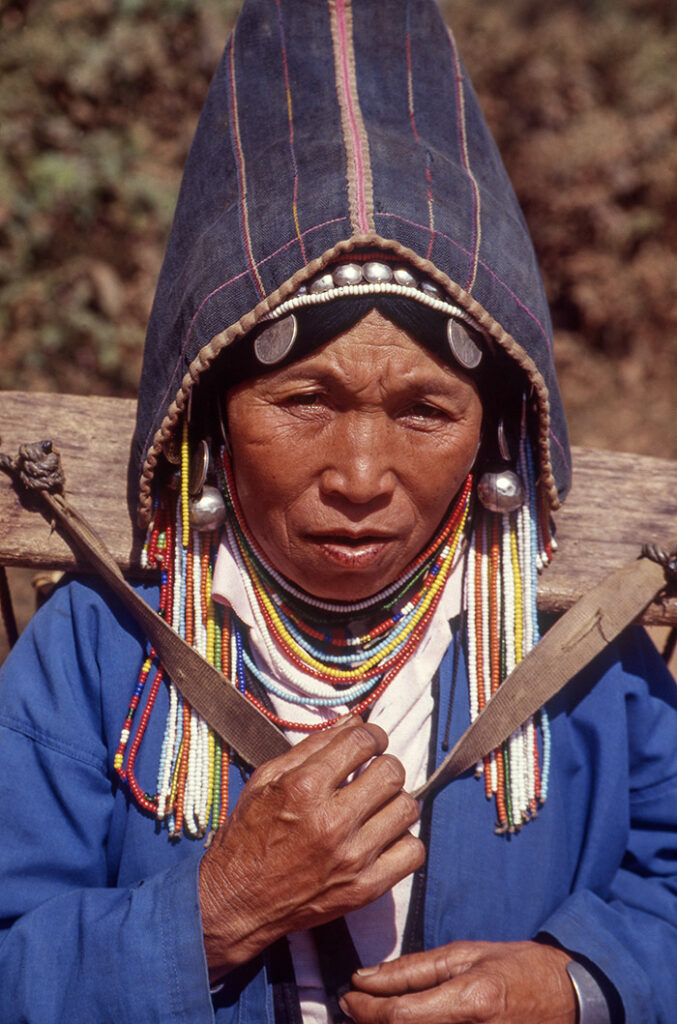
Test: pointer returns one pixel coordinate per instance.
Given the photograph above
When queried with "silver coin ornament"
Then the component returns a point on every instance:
(199, 467)
(208, 511)
(172, 450)
(276, 340)
(501, 491)
(503, 443)
(464, 348)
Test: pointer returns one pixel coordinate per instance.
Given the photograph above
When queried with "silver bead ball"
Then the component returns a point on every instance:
(502, 491)
(208, 512)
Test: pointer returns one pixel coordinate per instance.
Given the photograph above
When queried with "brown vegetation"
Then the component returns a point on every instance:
(98, 100)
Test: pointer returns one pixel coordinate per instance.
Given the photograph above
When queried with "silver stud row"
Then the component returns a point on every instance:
(371, 278)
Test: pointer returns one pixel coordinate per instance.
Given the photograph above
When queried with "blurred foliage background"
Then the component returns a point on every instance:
(98, 101)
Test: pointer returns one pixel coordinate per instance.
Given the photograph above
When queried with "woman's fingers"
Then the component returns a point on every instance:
(505, 983)
(302, 752)
(440, 1005)
(416, 971)
(373, 788)
(402, 857)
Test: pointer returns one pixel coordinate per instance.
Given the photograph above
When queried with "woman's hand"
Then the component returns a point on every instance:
(303, 846)
(467, 983)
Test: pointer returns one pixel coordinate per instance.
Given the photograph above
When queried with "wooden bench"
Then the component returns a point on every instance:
(618, 501)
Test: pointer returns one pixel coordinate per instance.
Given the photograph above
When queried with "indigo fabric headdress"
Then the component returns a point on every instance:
(333, 125)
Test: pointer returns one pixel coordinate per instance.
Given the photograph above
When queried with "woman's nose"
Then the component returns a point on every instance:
(359, 465)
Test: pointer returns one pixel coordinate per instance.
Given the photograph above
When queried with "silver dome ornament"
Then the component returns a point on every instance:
(404, 277)
(377, 273)
(464, 348)
(347, 274)
(276, 340)
(501, 491)
(430, 288)
(208, 511)
(325, 283)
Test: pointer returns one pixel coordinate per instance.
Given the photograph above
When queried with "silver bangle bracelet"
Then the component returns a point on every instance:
(592, 1005)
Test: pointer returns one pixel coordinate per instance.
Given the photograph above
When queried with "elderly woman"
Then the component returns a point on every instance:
(349, 442)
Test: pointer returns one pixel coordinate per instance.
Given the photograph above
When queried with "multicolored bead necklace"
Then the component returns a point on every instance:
(306, 639)
(358, 667)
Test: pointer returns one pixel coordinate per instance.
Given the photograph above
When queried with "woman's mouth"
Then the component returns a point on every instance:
(352, 551)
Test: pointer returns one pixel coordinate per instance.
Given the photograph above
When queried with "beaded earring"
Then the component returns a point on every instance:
(506, 552)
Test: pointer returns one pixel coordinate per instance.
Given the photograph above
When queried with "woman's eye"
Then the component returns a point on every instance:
(423, 411)
(304, 399)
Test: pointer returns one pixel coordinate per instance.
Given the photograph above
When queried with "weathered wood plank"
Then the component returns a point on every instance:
(93, 436)
(617, 502)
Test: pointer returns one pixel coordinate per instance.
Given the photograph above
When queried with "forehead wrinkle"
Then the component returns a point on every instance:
(385, 361)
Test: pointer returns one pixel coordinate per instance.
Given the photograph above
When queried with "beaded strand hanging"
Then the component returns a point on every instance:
(504, 557)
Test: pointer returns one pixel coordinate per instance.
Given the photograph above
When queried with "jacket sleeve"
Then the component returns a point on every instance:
(73, 945)
(628, 929)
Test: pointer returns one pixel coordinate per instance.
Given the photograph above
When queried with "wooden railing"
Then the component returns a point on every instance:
(618, 501)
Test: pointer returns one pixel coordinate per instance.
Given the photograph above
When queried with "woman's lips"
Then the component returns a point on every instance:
(352, 552)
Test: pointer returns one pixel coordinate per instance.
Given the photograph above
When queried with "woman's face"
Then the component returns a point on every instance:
(346, 461)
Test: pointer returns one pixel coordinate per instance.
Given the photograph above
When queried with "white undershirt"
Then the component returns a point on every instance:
(404, 711)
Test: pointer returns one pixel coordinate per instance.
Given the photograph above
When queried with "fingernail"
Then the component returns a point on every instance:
(344, 1009)
(344, 720)
(364, 972)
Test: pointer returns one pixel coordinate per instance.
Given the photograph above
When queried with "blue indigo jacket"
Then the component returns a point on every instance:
(99, 914)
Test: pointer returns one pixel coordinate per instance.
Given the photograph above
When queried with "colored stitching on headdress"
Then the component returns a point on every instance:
(290, 118)
(484, 266)
(465, 160)
(360, 186)
(412, 120)
(241, 173)
(559, 444)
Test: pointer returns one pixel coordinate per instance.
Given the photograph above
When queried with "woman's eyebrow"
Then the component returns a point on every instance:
(411, 382)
